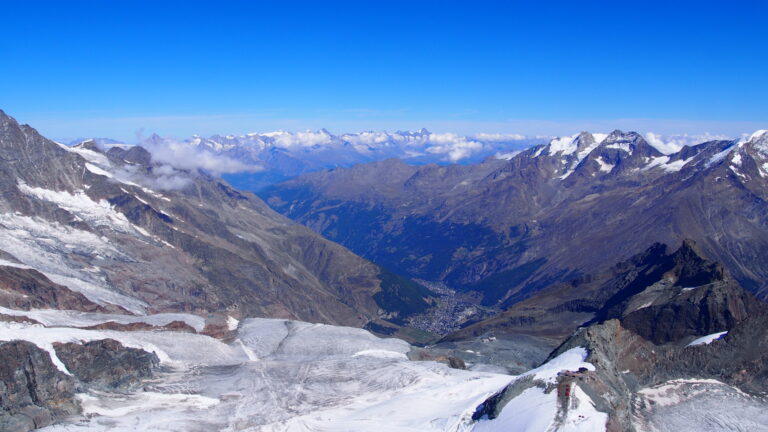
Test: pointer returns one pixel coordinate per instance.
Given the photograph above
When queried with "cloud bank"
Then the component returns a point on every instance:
(184, 156)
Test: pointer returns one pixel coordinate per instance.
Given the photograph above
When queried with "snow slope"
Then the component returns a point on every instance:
(536, 408)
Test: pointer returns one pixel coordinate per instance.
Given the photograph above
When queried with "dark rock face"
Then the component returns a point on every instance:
(106, 363)
(704, 310)
(687, 293)
(27, 288)
(684, 295)
(33, 392)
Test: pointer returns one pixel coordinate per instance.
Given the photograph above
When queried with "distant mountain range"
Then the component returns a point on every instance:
(267, 158)
(256, 160)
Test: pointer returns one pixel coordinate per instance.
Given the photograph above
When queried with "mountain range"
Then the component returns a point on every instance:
(254, 161)
(506, 229)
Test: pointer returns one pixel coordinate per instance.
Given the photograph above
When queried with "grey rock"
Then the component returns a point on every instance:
(33, 392)
(106, 363)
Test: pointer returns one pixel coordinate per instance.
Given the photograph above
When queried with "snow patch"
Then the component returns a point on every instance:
(534, 410)
(506, 155)
(676, 165)
(599, 137)
(604, 167)
(582, 415)
(757, 134)
(719, 157)
(174, 349)
(232, 323)
(68, 318)
(118, 405)
(97, 214)
(531, 411)
(708, 339)
(7, 263)
(668, 393)
(565, 145)
(380, 354)
(90, 155)
(620, 146)
(96, 170)
(571, 360)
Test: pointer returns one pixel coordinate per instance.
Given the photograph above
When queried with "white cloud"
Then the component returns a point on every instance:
(673, 143)
(497, 137)
(452, 146)
(300, 139)
(455, 147)
(162, 177)
(507, 155)
(186, 156)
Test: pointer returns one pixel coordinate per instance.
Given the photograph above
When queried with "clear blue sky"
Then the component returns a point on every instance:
(110, 68)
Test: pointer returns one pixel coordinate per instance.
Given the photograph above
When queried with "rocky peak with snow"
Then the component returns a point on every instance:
(756, 146)
(681, 328)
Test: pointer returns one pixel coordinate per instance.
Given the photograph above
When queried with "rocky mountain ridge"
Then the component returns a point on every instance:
(92, 229)
(653, 352)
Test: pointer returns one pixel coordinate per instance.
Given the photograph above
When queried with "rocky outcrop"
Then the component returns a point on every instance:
(419, 354)
(179, 326)
(106, 363)
(22, 288)
(33, 392)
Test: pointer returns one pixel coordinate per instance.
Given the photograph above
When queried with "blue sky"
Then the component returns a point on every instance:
(101, 68)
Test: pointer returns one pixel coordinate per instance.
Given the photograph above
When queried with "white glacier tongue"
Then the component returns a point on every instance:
(281, 375)
(48, 247)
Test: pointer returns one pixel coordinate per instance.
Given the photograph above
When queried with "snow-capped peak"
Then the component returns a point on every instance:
(758, 141)
(570, 144)
(758, 134)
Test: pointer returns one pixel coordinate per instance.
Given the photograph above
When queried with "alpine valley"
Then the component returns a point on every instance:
(583, 283)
